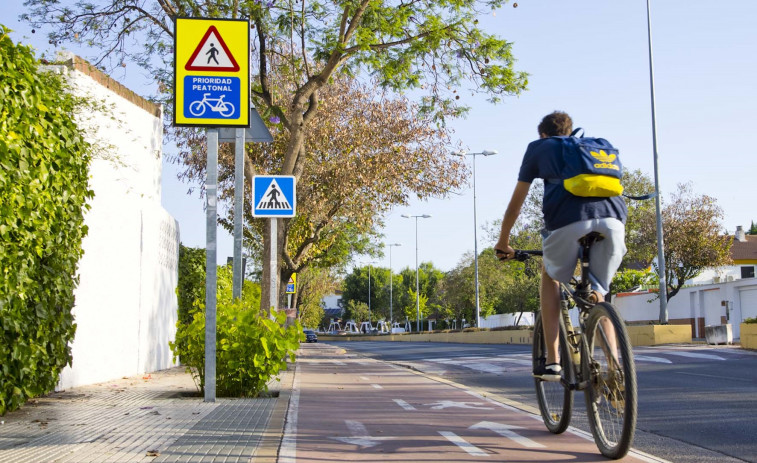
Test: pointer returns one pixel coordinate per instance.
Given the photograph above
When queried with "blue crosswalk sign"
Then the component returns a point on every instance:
(273, 196)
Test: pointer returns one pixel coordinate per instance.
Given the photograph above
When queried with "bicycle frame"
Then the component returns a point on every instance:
(597, 359)
(213, 103)
(578, 291)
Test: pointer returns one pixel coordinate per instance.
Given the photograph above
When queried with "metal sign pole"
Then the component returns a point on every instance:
(274, 266)
(658, 206)
(211, 278)
(238, 271)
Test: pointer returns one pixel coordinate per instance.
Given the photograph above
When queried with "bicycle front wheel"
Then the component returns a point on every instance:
(555, 398)
(197, 108)
(611, 394)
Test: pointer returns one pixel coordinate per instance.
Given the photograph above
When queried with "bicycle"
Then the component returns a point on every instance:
(224, 108)
(595, 357)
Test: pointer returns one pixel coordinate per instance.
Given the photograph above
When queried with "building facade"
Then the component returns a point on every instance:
(126, 306)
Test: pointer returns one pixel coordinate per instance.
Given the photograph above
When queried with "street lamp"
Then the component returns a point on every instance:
(475, 226)
(391, 313)
(660, 243)
(369, 292)
(417, 291)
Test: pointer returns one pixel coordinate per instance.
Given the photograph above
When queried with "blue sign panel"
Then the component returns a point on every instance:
(211, 97)
(273, 196)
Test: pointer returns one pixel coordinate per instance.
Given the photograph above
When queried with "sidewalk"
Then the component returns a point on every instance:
(156, 418)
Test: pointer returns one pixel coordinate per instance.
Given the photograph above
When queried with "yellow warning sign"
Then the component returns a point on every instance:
(292, 284)
(212, 72)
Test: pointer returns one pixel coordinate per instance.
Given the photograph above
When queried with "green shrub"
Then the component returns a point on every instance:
(750, 320)
(44, 164)
(251, 348)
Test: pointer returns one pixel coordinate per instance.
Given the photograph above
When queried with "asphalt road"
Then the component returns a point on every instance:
(697, 403)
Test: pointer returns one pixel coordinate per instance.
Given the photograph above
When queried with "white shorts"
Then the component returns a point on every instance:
(561, 251)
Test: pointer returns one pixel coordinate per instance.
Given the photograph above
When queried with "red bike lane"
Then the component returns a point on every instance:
(349, 408)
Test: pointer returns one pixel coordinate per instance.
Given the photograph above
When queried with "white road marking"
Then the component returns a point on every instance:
(364, 378)
(377, 386)
(695, 355)
(288, 451)
(505, 430)
(464, 444)
(337, 362)
(404, 405)
(443, 404)
(360, 435)
(649, 358)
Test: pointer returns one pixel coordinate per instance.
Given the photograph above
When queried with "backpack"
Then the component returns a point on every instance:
(592, 167)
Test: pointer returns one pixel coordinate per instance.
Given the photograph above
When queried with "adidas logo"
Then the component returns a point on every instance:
(604, 157)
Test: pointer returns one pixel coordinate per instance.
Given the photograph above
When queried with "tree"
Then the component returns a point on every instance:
(753, 229)
(356, 288)
(641, 240)
(429, 46)
(312, 285)
(356, 311)
(693, 242)
(430, 281)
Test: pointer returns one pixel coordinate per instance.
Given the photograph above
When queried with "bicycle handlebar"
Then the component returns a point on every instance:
(523, 255)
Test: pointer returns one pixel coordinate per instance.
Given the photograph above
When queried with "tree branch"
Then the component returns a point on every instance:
(354, 21)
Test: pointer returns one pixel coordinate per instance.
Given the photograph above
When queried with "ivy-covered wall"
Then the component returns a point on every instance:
(44, 192)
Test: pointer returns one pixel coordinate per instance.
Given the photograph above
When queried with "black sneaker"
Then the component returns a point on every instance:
(551, 372)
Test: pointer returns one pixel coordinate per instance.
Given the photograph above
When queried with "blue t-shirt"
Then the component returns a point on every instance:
(543, 159)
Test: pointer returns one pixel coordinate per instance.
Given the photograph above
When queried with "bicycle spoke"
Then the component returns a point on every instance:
(555, 398)
(611, 396)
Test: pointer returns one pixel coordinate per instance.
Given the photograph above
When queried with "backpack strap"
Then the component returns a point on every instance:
(642, 197)
(574, 133)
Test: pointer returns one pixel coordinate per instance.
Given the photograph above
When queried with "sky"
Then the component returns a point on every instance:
(589, 58)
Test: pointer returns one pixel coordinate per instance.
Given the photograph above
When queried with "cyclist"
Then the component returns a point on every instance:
(566, 219)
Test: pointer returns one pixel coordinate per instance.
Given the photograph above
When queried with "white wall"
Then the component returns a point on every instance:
(703, 301)
(507, 319)
(126, 307)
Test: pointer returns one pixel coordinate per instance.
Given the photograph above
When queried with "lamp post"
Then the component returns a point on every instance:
(475, 225)
(370, 313)
(658, 211)
(417, 291)
(391, 299)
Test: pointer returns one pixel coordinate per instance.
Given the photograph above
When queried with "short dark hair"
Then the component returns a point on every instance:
(556, 124)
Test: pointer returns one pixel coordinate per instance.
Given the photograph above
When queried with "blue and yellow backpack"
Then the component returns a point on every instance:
(592, 166)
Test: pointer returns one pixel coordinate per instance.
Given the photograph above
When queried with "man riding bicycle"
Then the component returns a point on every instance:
(566, 219)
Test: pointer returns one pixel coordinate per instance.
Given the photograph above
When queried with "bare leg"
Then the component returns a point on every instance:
(550, 314)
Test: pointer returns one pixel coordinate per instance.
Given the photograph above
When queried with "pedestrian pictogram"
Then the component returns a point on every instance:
(212, 66)
(273, 196)
(212, 54)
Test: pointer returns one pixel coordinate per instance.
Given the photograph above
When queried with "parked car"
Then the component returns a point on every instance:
(310, 336)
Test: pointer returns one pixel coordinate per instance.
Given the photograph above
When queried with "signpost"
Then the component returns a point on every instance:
(274, 196)
(212, 89)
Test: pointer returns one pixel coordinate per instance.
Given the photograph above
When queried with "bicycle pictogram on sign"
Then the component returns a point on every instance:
(224, 108)
(207, 96)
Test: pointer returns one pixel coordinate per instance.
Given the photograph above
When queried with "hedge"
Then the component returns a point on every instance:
(44, 165)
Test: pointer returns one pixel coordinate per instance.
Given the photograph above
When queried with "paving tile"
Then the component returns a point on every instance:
(133, 420)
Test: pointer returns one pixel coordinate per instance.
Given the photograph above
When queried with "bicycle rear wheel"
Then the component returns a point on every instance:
(611, 395)
(554, 397)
